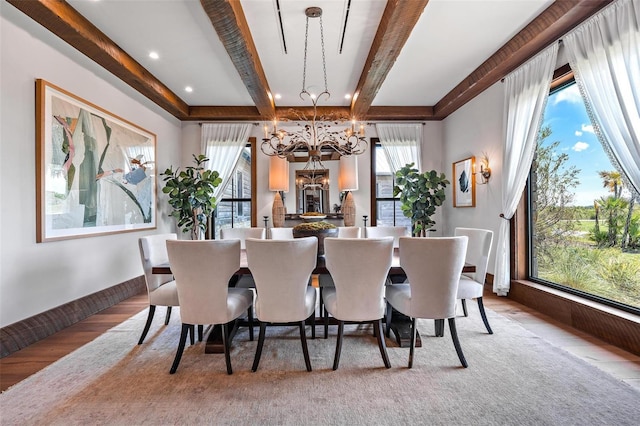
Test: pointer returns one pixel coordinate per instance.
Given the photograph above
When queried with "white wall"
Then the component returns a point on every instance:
(474, 129)
(37, 277)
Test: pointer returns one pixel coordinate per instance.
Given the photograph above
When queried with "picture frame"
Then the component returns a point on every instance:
(95, 171)
(464, 183)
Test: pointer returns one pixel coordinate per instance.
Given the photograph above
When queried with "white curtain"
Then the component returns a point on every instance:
(401, 143)
(222, 143)
(526, 93)
(604, 53)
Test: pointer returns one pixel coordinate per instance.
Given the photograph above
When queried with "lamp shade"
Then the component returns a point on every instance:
(348, 173)
(278, 174)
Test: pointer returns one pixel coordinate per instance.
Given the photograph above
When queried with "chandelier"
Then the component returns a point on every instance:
(316, 136)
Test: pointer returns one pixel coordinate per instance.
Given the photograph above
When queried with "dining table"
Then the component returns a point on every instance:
(400, 324)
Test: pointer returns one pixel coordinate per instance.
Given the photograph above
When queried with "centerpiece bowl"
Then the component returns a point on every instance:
(320, 230)
(312, 217)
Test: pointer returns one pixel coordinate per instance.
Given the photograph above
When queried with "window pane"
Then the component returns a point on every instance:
(384, 178)
(234, 207)
(585, 233)
(389, 214)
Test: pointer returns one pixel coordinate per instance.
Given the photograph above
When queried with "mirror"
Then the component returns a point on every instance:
(312, 191)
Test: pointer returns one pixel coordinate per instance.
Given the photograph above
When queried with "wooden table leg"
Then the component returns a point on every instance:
(401, 328)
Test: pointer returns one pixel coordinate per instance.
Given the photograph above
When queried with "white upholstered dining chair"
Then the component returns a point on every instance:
(244, 280)
(471, 285)
(387, 231)
(161, 288)
(349, 232)
(359, 269)
(281, 233)
(281, 270)
(202, 269)
(433, 267)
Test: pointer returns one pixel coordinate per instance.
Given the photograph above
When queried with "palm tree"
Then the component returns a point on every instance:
(613, 181)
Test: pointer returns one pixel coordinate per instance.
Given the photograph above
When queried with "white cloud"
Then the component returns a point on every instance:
(587, 128)
(578, 133)
(570, 94)
(580, 146)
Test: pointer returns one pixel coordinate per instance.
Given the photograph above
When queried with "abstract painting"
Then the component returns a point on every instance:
(464, 183)
(95, 171)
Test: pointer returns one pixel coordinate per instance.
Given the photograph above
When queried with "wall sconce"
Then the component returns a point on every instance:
(485, 170)
(348, 181)
(278, 181)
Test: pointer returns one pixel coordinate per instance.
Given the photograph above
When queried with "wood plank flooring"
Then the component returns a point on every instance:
(617, 362)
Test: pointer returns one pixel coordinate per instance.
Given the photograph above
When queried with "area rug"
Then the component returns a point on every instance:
(514, 378)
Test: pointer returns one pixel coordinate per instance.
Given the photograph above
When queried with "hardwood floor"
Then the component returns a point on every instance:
(617, 362)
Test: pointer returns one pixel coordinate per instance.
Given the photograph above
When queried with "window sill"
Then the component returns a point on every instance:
(615, 326)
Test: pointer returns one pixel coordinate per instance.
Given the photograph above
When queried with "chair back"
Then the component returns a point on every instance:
(349, 232)
(281, 270)
(433, 267)
(242, 234)
(387, 231)
(281, 233)
(202, 269)
(359, 268)
(478, 251)
(153, 251)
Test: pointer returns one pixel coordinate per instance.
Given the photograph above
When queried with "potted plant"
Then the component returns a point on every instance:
(191, 195)
(420, 194)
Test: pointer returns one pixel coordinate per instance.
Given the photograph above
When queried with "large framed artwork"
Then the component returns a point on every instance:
(95, 172)
(464, 183)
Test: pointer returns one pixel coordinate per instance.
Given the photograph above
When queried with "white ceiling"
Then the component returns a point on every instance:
(451, 39)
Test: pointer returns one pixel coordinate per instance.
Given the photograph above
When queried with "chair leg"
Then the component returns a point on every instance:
(439, 325)
(336, 359)
(193, 335)
(388, 319)
(200, 332)
(381, 343)
(456, 342)
(183, 340)
(256, 359)
(305, 349)
(464, 307)
(412, 345)
(483, 314)
(313, 324)
(326, 320)
(225, 344)
(168, 316)
(152, 310)
(250, 315)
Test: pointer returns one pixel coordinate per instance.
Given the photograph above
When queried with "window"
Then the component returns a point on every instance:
(235, 206)
(385, 209)
(584, 229)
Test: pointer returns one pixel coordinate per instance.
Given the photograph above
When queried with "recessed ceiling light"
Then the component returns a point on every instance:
(188, 89)
(154, 55)
(347, 96)
(278, 96)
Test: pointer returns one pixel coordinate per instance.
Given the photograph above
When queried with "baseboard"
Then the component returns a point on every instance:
(28, 331)
(614, 326)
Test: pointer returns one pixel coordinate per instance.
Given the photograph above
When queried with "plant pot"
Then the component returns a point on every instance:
(320, 234)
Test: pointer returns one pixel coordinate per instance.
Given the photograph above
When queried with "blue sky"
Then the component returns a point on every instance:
(570, 124)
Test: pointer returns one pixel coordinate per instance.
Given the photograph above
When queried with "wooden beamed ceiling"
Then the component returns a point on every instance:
(227, 17)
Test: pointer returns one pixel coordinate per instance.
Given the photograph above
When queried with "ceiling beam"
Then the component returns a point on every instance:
(396, 24)
(559, 18)
(231, 25)
(65, 22)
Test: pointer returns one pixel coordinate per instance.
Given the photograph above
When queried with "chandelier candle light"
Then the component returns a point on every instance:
(316, 136)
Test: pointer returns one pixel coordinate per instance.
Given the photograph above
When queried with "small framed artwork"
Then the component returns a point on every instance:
(464, 183)
(95, 172)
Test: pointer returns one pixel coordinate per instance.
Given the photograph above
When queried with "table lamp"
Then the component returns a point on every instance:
(348, 181)
(278, 181)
